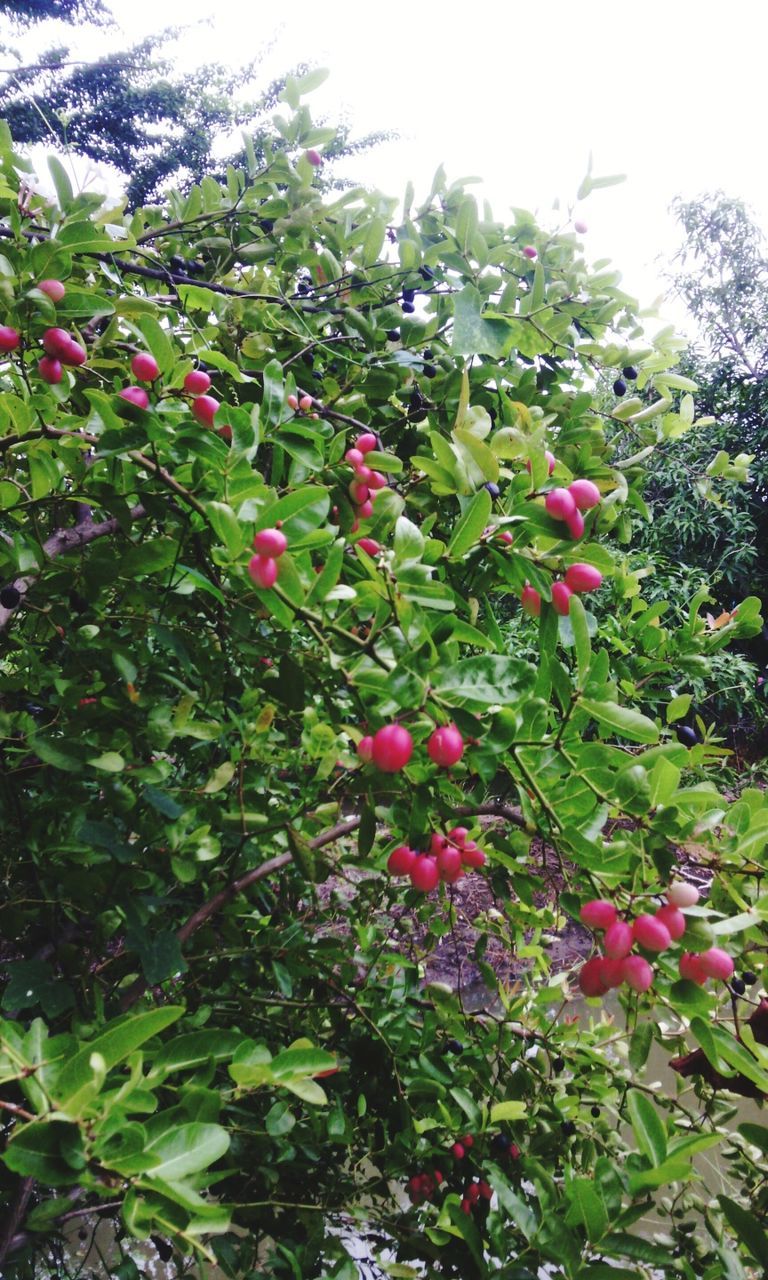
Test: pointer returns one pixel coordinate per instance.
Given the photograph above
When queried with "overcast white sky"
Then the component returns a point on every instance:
(670, 92)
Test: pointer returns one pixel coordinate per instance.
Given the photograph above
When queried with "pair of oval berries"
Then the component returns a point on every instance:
(391, 747)
(579, 577)
(269, 545)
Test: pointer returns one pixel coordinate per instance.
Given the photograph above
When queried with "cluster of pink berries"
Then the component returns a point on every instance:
(447, 860)
(391, 748)
(579, 578)
(299, 404)
(367, 482)
(60, 349)
(653, 933)
(568, 504)
(269, 545)
(423, 1186)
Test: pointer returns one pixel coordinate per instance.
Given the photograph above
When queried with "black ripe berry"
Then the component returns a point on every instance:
(595, 1111)
(454, 1046)
(426, 273)
(619, 387)
(686, 735)
(428, 354)
(429, 371)
(558, 1064)
(749, 978)
(409, 295)
(568, 1128)
(500, 1143)
(408, 308)
(630, 372)
(393, 335)
(739, 986)
(317, 375)
(9, 597)
(492, 488)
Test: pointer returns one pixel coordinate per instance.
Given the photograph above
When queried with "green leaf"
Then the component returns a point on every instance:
(479, 682)
(109, 762)
(648, 1127)
(578, 619)
(151, 556)
(474, 334)
(640, 1045)
(470, 524)
(119, 1039)
(226, 526)
(512, 1110)
(302, 512)
(678, 707)
(158, 341)
(64, 192)
(590, 1207)
(185, 1149)
(750, 1232)
(630, 724)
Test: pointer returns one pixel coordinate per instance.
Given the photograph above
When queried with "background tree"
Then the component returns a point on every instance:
(267, 752)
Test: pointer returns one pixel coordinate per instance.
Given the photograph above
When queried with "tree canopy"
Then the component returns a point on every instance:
(326, 656)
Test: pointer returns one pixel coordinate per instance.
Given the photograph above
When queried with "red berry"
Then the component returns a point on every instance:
(270, 542)
(561, 598)
(583, 577)
(369, 545)
(531, 601)
(457, 1151)
(575, 525)
(471, 856)
(135, 395)
(592, 979)
(9, 338)
(55, 342)
(468, 1140)
(530, 252)
(560, 504)
(314, 157)
(682, 894)
(367, 442)
(354, 457)
(392, 748)
(692, 968)
(54, 288)
(449, 863)
(445, 746)
(50, 370)
(263, 571)
(473, 1193)
(401, 860)
(613, 971)
(364, 473)
(514, 1151)
(365, 510)
(673, 920)
(716, 963)
(424, 874)
(376, 481)
(458, 835)
(585, 494)
(438, 842)
(365, 748)
(466, 1206)
(204, 408)
(598, 914)
(618, 940)
(225, 432)
(438, 1176)
(638, 974)
(358, 492)
(485, 1190)
(145, 367)
(197, 382)
(505, 536)
(651, 933)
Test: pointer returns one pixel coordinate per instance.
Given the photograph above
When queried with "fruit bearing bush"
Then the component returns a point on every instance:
(263, 745)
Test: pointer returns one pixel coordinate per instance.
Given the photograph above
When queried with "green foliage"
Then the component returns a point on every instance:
(220, 1010)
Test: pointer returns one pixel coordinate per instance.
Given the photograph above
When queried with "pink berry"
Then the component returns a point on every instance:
(598, 914)
(392, 748)
(445, 746)
(560, 504)
(135, 395)
(204, 408)
(55, 342)
(472, 856)
(225, 432)
(370, 546)
(638, 974)
(270, 542)
(364, 474)
(458, 835)
(145, 367)
(367, 442)
(424, 874)
(305, 403)
(365, 510)
(438, 842)
(673, 920)
(618, 940)
(682, 894)
(457, 1151)
(263, 571)
(314, 157)
(561, 598)
(530, 252)
(613, 971)
(50, 370)
(54, 288)
(9, 338)
(401, 860)
(293, 402)
(580, 228)
(583, 577)
(531, 600)
(551, 462)
(651, 933)
(473, 1193)
(485, 1190)
(592, 979)
(575, 525)
(197, 382)
(376, 480)
(365, 748)
(692, 968)
(358, 492)
(449, 863)
(354, 457)
(585, 494)
(466, 1205)
(716, 963)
